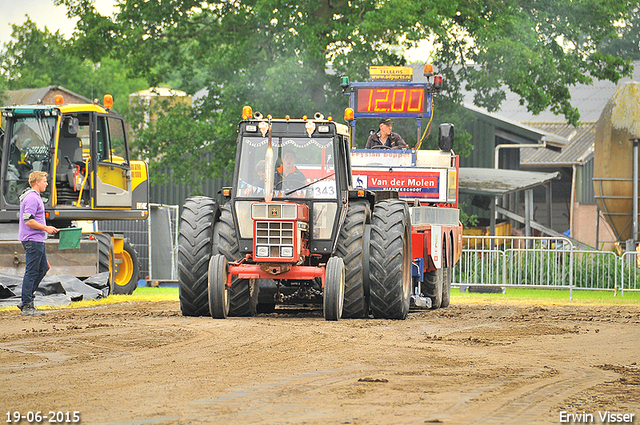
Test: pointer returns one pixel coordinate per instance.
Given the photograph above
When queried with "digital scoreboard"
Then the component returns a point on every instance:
(392, 99)
(385, 100)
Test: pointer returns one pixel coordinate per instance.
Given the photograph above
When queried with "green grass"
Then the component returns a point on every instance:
(548, 296)
(524, 296)
(141, 294)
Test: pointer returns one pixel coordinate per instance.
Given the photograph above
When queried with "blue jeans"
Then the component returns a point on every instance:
(35, 269)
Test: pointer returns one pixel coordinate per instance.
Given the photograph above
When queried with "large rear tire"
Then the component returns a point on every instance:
(127, 270)
(333, 299)
(196, 245)
(447, 275)
(446, 287)
(390, 260)
(351, 249)
(218, 291)
(433, 287)
(244, 292)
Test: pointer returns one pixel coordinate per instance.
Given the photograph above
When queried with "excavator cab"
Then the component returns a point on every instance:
(84, 149)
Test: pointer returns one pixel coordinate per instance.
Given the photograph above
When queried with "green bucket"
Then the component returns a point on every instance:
(69, 238)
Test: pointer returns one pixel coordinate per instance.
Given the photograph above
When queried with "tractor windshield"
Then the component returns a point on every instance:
(30, 149)
(303, 168)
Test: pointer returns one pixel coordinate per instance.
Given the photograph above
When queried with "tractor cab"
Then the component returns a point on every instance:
(84, 150)
(285, 162)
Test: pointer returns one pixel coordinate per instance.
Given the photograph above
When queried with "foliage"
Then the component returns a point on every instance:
(466, 219)
(37, 58)
(175, 137)
(538, 49)
(3, 91)
(286, 57)
(626, 41)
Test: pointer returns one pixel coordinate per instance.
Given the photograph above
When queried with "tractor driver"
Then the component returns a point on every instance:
(288, 177)
(257, 182)
(386, 137)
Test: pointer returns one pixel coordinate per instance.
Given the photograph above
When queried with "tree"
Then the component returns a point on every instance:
(626, 42)
(37, 58)
(286, 57)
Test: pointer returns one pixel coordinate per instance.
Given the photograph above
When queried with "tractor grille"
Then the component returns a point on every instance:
(274, 235)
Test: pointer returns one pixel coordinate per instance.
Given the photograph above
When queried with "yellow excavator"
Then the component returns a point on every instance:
(84, 149)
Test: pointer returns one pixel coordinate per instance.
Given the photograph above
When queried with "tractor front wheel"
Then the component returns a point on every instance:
(217, 287)
(333, 300)
(243, 292)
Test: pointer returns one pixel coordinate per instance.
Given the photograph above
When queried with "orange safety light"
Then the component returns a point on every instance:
(108, 101)
(58, 100)
(226, 191)
(428, 70)
(361, 193)
(330, 118)
(304, 117)
(287, 117)
(247, 112)
(349, 114)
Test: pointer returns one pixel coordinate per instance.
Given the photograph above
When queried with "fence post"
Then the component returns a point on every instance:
(571, 260)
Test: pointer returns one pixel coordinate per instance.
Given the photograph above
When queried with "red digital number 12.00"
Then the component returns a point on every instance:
(391, 100)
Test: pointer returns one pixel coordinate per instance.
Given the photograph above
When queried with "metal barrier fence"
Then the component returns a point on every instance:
(543, 262)
(155, 240)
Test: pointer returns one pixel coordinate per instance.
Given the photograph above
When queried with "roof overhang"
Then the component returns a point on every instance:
(492, 182)
(516, 132)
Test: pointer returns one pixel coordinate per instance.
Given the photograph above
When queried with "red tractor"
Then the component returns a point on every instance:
(302, 223)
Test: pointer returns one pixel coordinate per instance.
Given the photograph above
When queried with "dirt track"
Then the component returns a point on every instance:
(144, 363)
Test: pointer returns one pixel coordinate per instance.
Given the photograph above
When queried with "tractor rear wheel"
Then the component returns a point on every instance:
(390, 260)
(217, 289)
(447, 275)
(351, 248)
(196, 244)
(446, 287)
(433, 287)
(244, 292)
(333, 299)
(127, 270)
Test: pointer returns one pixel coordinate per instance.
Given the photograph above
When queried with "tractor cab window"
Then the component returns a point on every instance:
(302, 168)
(111, 141)
(30, 149)
(72, 155)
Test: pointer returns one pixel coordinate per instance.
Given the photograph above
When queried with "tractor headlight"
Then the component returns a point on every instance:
(262, 251)
(286, 251)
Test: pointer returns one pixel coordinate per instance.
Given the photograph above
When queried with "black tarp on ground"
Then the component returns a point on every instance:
(56, 290)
